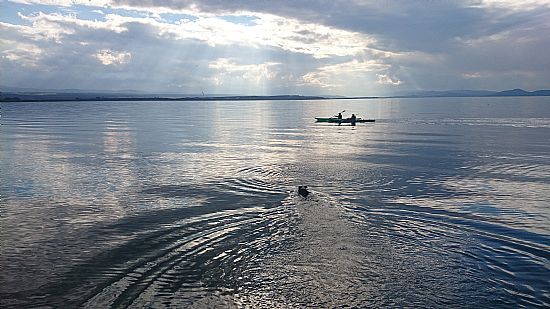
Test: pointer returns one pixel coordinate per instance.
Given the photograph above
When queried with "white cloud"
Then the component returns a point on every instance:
(326, 76)
(27, 55)
(252, 72)
(386, 79)
(267, 31)
(317, 40)
(272, 31)
(472, 75)
(65, 3)
(57, 26)
(109, 57)
(513, 4)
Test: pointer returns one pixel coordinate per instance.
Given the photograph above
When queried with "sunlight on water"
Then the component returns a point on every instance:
(440, 203)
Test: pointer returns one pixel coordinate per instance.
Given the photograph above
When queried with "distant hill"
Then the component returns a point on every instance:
(61, 91)
(447, 93)
(473, 93)
(520, 93)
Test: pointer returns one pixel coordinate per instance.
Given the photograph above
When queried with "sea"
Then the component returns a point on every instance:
(441, 203)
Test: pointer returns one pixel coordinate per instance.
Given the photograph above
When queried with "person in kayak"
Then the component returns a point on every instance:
(353, 119)
(339, 118)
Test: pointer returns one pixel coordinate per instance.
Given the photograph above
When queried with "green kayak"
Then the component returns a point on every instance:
(343, 120)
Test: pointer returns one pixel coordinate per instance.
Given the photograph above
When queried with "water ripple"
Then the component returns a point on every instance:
(181, 204)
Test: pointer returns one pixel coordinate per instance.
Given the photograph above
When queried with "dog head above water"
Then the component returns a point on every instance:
(302, 190)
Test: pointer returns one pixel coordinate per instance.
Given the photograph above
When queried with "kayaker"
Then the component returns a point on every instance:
(353, 119)
(339, 118)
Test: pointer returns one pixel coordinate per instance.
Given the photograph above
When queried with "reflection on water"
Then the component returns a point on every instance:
(441, 202)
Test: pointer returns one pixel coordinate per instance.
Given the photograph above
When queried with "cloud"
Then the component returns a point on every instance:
(27, 55)
(108, 57)
(65, 3)
(268, 31)
(386, 79)
(358, 47)
(226, 68)
(57, 26)
(324, 76)
(523, 5)
(472, 74)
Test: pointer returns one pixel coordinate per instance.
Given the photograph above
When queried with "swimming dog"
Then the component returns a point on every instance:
(302, 190)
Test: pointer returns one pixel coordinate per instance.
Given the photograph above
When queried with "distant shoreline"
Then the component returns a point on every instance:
(81, 97)
(225, 98)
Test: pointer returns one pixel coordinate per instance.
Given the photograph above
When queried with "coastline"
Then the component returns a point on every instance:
(78, 97)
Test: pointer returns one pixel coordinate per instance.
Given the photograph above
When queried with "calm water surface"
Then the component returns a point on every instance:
(440, 203)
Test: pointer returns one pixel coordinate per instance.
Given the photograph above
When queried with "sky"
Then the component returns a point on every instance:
(266, 47)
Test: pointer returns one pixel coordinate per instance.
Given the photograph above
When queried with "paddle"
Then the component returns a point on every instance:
(340, 113)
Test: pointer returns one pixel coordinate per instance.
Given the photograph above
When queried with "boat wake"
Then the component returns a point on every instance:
(319, 251)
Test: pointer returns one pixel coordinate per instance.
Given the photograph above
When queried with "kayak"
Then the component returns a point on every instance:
(343, 120)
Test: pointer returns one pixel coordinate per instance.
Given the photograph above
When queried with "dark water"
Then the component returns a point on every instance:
(440, 203)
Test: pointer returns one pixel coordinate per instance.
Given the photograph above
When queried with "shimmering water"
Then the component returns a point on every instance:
(440, 203)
